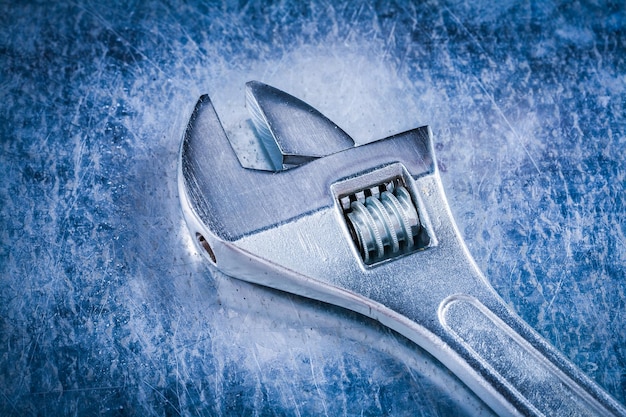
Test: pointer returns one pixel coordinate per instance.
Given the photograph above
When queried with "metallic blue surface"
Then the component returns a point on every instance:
(105, 307)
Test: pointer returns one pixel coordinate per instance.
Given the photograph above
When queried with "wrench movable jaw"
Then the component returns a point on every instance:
(290, 130)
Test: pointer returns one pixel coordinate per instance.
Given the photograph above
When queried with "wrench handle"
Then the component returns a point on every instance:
(524, 368)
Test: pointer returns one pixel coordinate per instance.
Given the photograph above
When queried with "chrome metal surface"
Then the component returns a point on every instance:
(287, 230)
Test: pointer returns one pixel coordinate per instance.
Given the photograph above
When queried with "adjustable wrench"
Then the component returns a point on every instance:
(368, 228)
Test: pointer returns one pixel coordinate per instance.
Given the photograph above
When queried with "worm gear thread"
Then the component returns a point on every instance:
(383, 221)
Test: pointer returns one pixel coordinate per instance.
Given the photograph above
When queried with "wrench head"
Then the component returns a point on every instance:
(294, 229)
(234, 201)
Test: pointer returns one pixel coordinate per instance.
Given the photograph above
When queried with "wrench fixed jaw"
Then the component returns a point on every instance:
(289, 230)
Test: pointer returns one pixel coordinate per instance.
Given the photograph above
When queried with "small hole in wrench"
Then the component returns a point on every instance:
(207, 248)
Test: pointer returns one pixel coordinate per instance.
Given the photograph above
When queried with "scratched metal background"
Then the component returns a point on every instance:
(106, 308)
